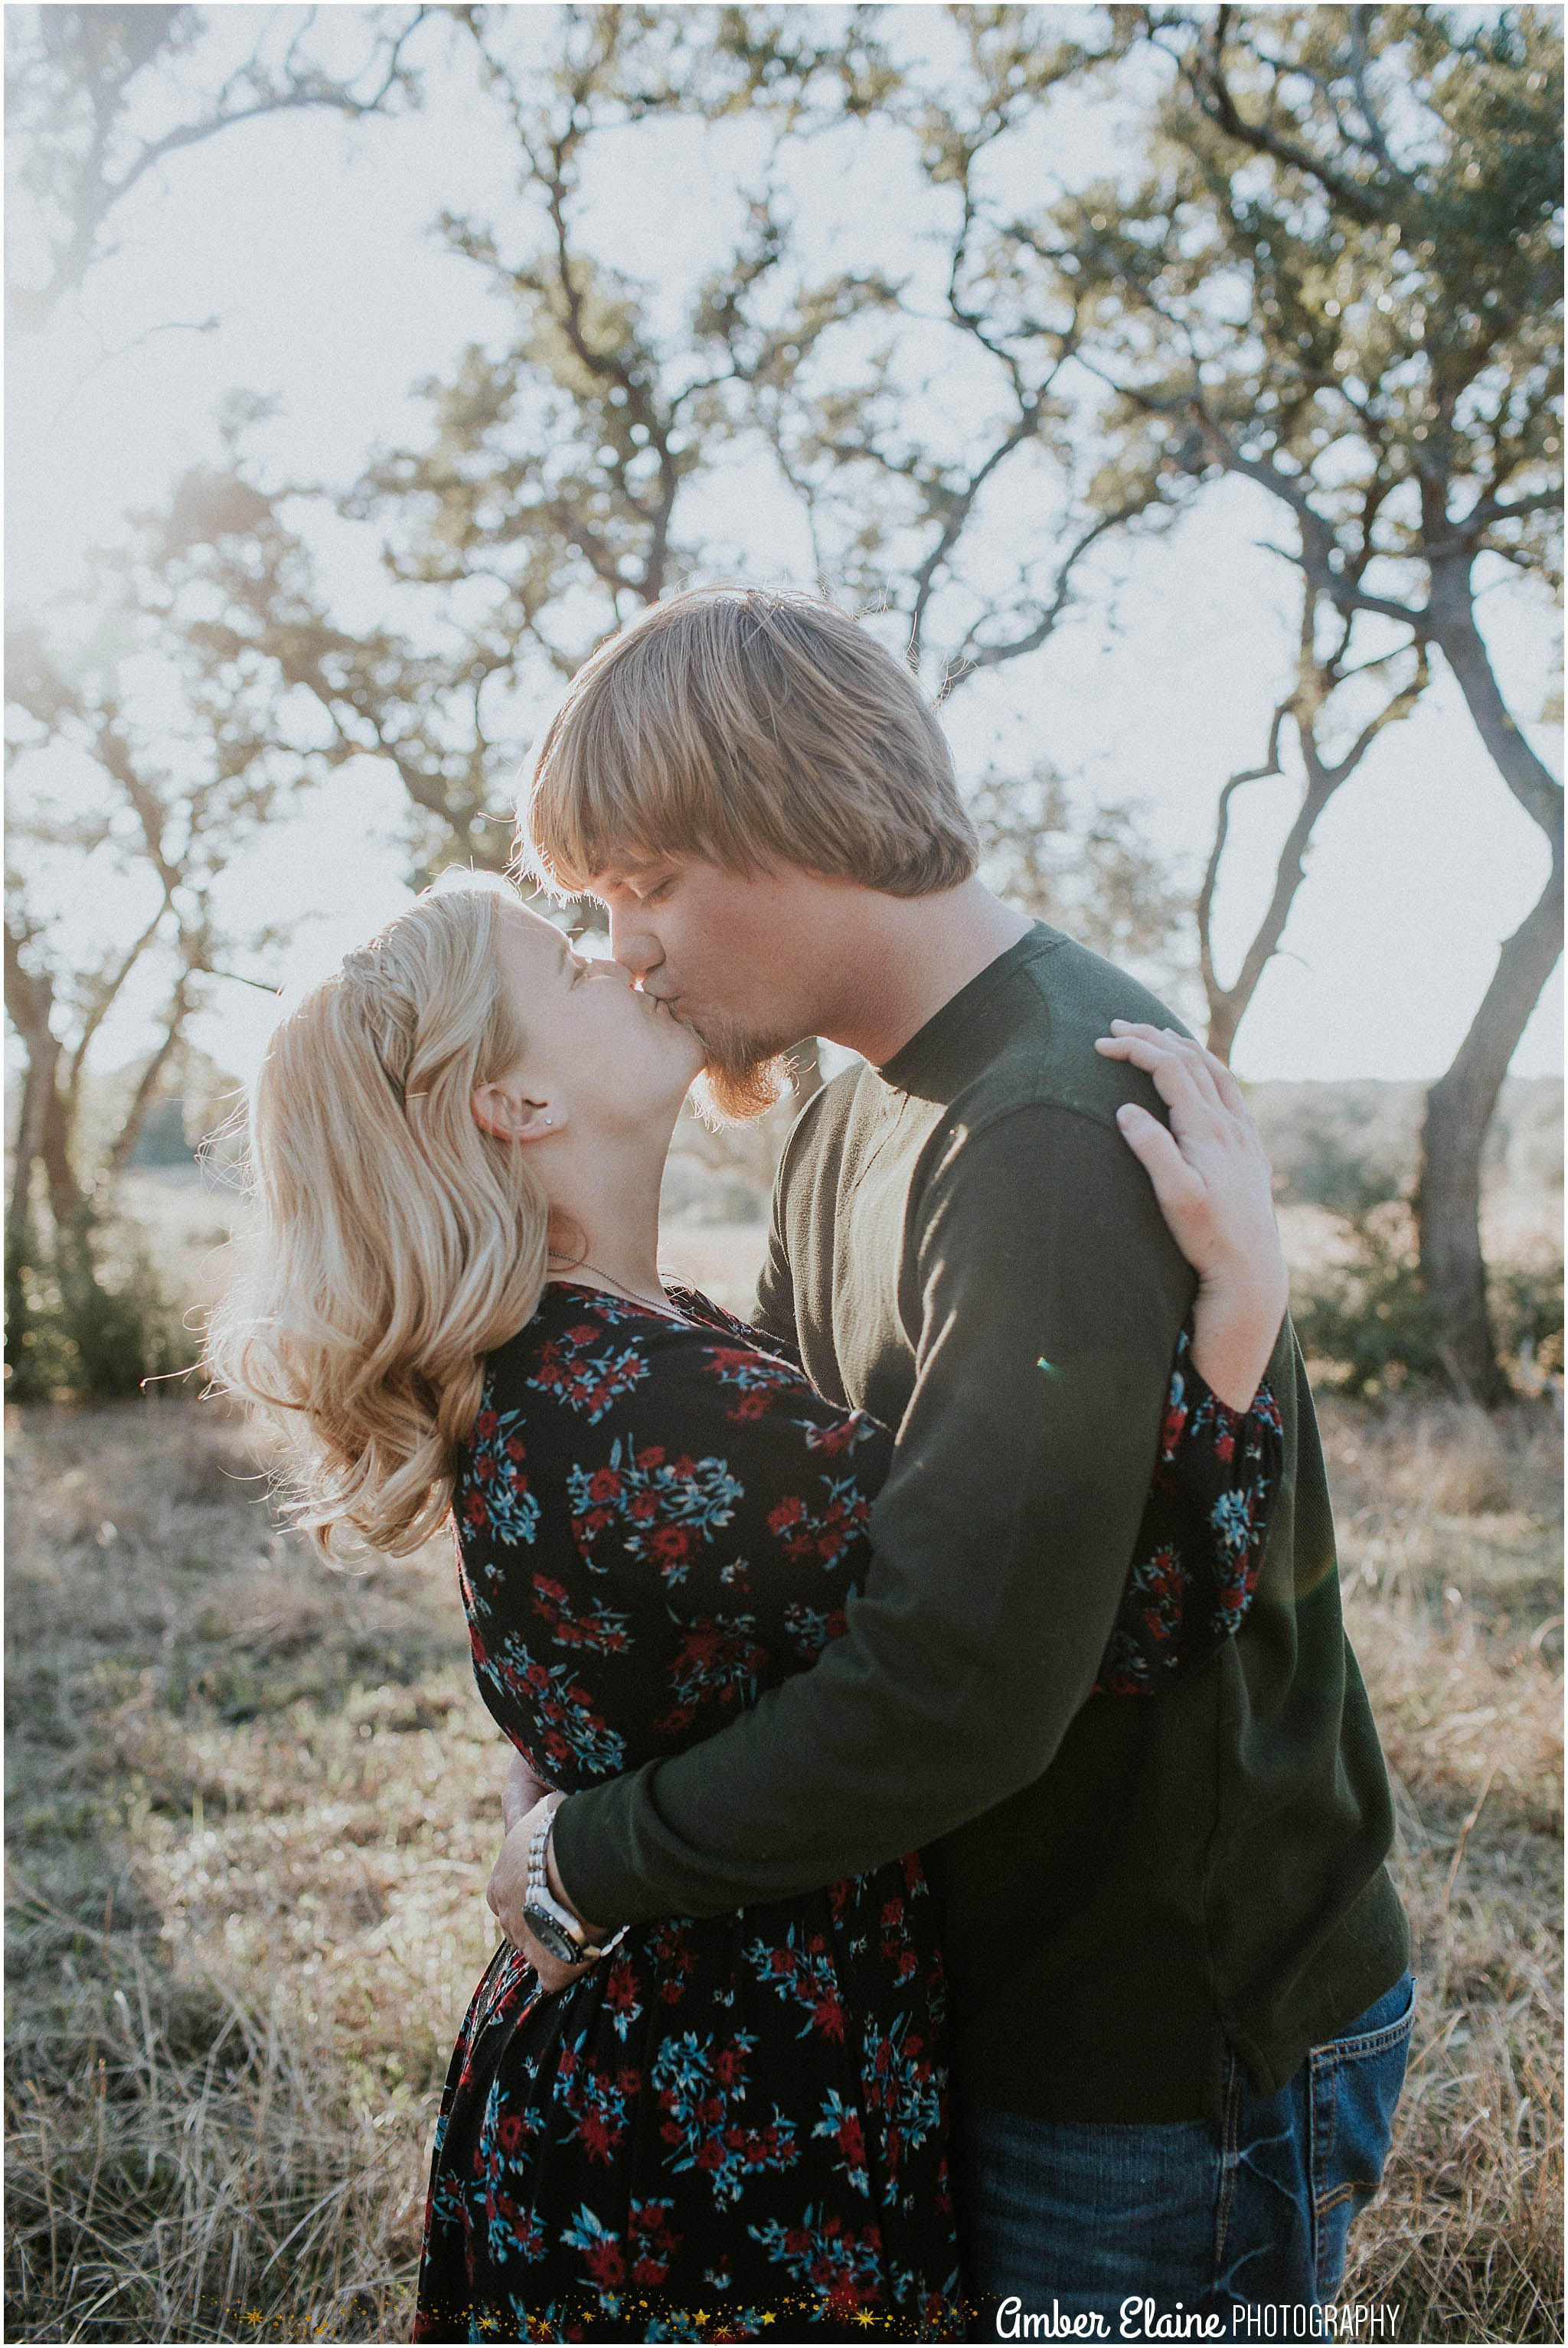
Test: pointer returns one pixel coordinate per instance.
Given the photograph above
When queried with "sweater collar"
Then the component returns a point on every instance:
(914, 1062)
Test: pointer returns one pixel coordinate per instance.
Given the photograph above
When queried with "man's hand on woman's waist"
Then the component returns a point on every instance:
(526, 1802)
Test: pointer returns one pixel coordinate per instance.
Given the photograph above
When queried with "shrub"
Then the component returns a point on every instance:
(1364, 1321)
(1527, 1317)
(1368, 1325)
(86, 1318)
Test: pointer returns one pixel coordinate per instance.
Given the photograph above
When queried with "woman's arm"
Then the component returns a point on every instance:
(1210, 1176)
(522, 1790)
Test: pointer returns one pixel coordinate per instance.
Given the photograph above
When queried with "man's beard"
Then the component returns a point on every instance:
(744, 1076)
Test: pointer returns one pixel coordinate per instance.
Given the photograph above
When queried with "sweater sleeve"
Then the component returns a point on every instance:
(775, 1311)
(1046, 1297)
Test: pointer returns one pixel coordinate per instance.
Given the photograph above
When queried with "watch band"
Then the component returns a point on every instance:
(554, 1927)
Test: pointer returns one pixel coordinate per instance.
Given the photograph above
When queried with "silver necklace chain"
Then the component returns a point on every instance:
(669, 1311)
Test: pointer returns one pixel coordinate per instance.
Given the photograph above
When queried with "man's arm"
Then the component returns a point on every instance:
(775, 1310)
(1047, 1296)
(774, 1313)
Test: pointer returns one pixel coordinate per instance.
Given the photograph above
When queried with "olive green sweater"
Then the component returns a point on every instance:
(965, 1247)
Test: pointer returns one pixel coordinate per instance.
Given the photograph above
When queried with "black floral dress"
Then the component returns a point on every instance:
(734, 2128)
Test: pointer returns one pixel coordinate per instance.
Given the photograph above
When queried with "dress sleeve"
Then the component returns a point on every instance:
(1205, 1527)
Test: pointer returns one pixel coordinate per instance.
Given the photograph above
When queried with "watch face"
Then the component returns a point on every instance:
(551, 1935)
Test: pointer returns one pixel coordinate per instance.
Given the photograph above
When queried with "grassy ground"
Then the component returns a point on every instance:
(1450, 1540)
(253, 1804)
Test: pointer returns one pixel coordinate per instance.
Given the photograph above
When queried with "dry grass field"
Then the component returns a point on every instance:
(253, 1804)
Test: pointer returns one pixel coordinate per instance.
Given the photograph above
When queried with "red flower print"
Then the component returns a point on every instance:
(605, 2264)
(839, 1437)
(637, 2083)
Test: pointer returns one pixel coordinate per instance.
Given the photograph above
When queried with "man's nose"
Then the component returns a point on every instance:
(633, 944)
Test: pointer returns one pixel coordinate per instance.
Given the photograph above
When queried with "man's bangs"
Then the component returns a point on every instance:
(560, 843)
(747, 728)
(594, 812)
(580, 819)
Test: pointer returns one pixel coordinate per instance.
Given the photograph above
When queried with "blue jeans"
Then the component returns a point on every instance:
(1252, 2212)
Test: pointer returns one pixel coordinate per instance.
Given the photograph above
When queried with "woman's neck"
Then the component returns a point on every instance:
(604, 1215)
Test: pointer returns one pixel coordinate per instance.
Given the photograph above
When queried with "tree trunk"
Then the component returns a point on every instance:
(29, 1140)
(45, 1128)
(1460, 1104)
(129, 1134)
(1458, 1109)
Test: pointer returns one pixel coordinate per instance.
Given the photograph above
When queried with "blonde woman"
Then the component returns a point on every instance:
(716, 2125)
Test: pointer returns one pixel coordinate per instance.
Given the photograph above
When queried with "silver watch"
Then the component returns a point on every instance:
(558, 1931)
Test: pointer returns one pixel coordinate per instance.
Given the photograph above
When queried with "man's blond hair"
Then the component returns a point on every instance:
(751, 726)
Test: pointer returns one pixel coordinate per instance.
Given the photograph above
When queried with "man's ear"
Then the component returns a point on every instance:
(512, 1114)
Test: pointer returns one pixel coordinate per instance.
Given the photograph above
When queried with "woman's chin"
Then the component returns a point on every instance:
(693, 1054)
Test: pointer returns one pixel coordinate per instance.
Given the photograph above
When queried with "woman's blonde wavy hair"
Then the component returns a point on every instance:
(398, 1243)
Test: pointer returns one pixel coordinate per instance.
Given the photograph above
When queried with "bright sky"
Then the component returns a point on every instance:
(310, 243)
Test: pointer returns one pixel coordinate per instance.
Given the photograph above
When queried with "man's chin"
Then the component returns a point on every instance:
(730, 1095)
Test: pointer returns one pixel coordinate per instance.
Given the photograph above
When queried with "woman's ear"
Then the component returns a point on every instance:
(512, 1114)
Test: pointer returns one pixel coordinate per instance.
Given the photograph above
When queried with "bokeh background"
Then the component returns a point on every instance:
(1179, 389)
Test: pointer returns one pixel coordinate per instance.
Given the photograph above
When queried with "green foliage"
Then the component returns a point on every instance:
(1087, 871)
(1348, 1175)
(1342, 278)
(86, 1317)
(1526, 1302)
(1365, 1321)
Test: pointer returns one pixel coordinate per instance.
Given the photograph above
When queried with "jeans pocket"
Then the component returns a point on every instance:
(1354, 2085)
